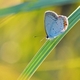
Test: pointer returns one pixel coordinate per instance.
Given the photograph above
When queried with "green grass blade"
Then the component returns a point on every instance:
(48, 46)
(32, 5)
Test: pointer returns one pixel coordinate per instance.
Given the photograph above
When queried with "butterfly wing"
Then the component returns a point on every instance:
(53, 24)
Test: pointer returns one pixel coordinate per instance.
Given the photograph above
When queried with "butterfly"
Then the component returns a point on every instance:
(54, 24)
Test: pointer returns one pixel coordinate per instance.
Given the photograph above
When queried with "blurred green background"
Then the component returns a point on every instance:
(22, 34)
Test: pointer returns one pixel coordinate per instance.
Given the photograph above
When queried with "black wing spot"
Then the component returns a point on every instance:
(52, 28)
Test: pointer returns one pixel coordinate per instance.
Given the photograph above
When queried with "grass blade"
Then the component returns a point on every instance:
(32, 5)
(48, 46)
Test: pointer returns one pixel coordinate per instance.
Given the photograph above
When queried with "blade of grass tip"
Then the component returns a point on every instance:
(47, 48)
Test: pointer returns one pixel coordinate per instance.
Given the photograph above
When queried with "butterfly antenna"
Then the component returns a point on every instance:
(42, 39)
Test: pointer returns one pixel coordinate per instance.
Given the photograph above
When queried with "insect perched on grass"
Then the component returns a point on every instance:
(54, 24)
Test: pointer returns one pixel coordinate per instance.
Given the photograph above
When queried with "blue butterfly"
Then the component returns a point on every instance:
(54, 24)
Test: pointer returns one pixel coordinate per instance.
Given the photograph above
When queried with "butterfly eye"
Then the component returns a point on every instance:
(47, 36)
